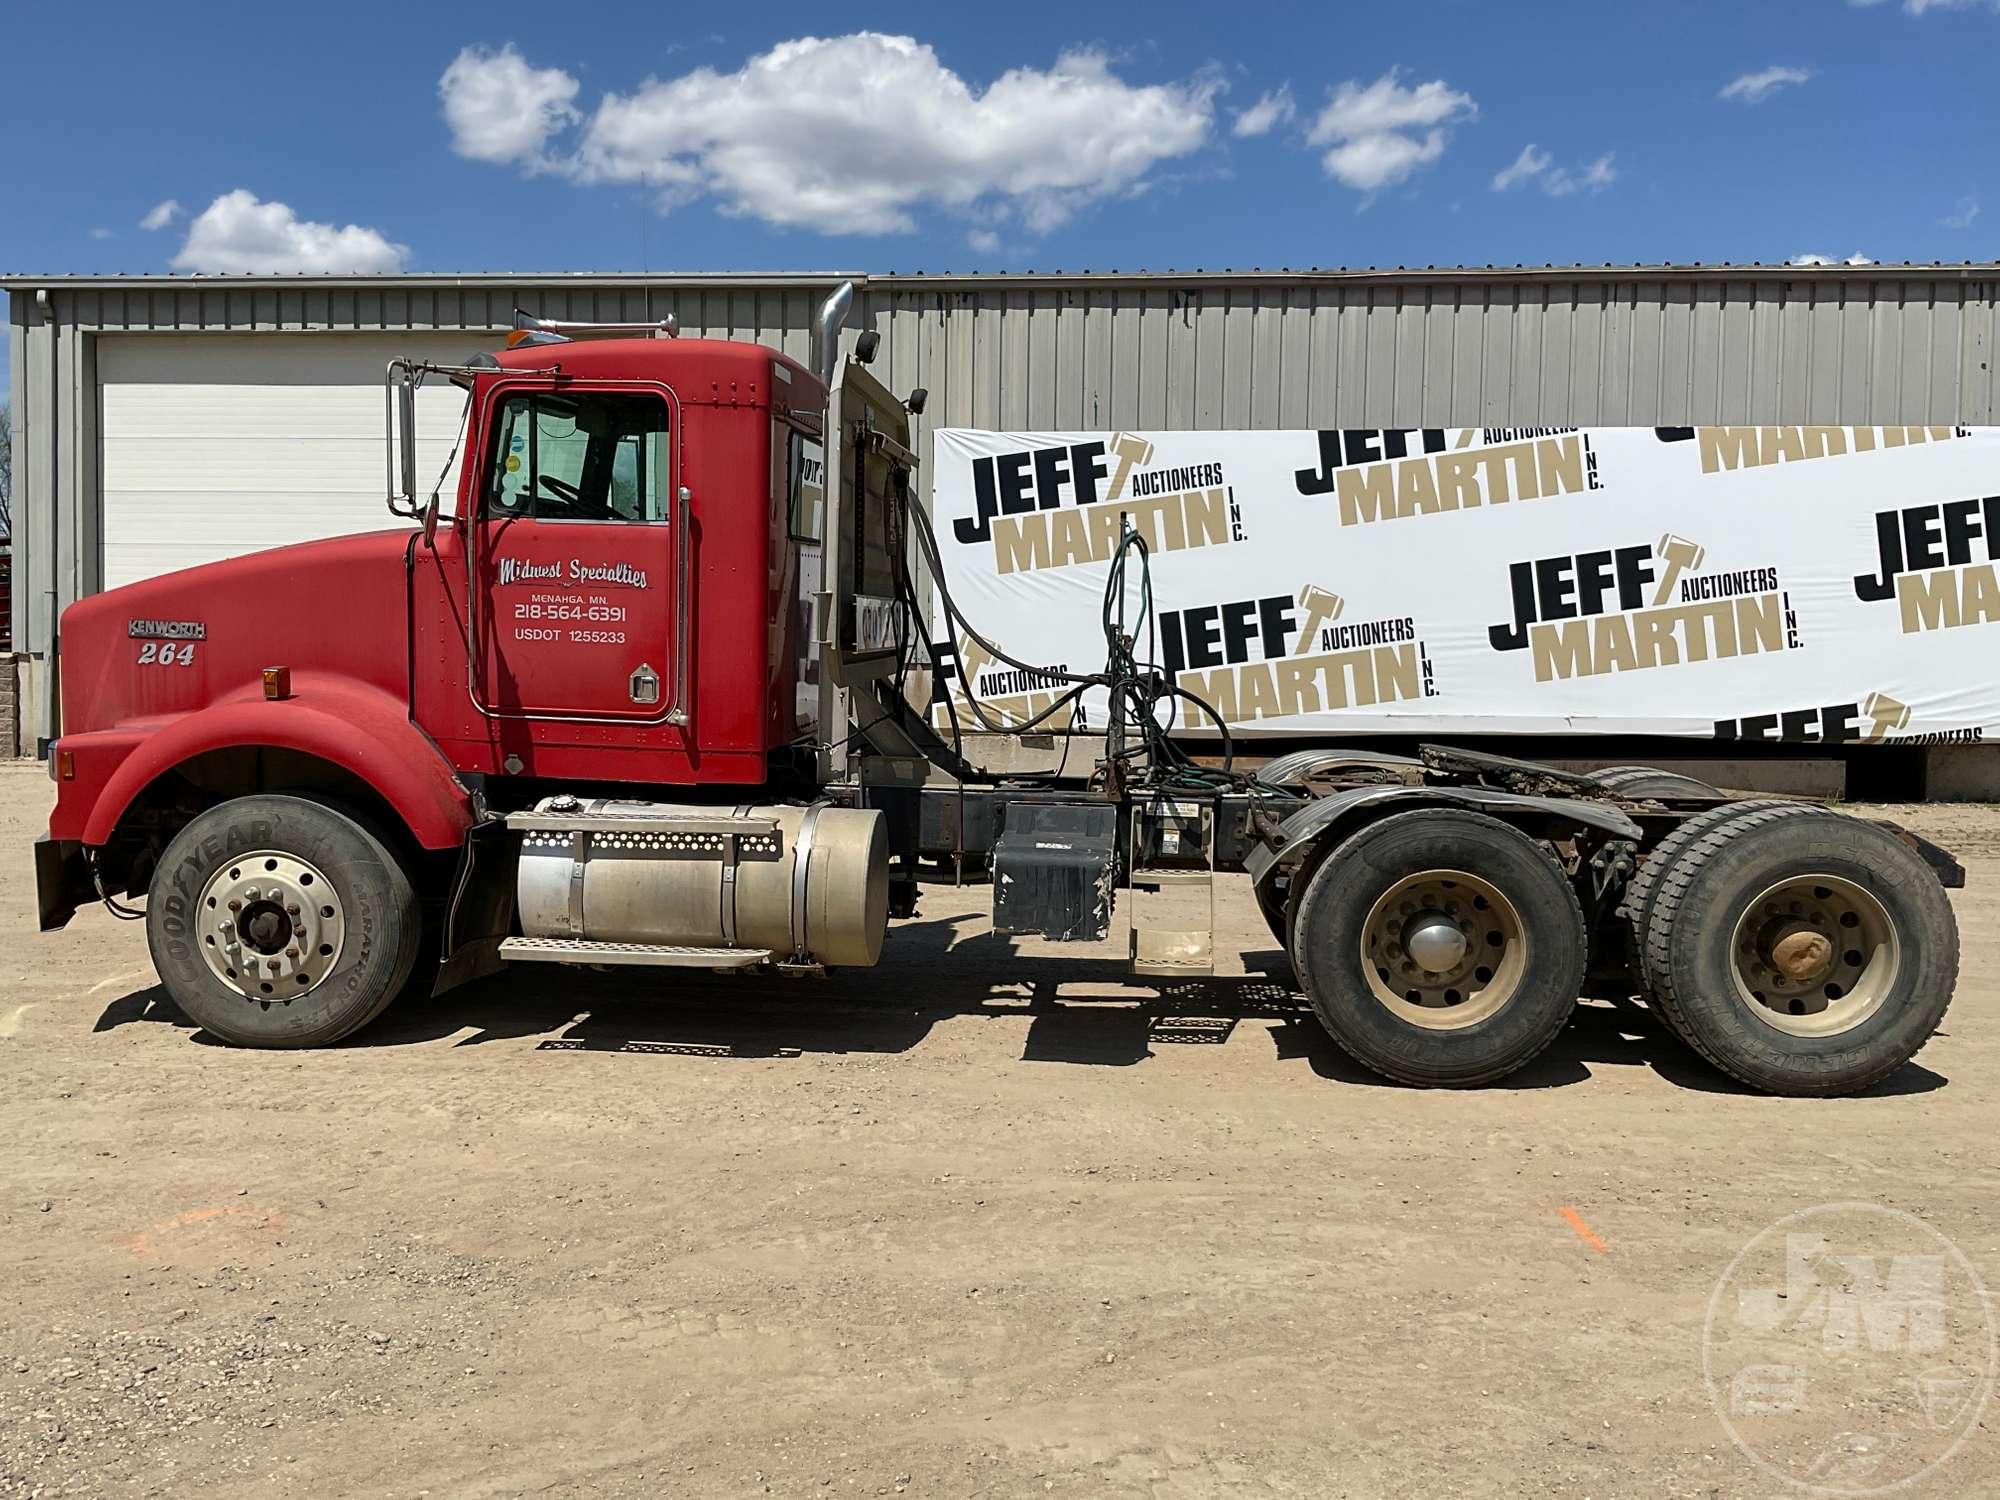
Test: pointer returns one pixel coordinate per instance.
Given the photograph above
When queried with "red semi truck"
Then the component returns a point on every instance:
(639, 698)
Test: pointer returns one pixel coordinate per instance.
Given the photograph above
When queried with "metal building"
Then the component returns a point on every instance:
(166, 420)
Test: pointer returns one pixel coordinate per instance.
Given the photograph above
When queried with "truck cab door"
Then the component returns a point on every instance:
(576, 539)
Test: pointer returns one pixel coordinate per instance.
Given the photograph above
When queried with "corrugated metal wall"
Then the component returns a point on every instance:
(1620, 346)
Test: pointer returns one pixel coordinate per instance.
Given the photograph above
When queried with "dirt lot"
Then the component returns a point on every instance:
(976, 1223)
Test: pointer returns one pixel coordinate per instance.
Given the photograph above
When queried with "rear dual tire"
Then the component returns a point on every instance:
(1801, 951)
(1440, 947)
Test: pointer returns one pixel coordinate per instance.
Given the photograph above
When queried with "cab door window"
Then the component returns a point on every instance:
(579, 456)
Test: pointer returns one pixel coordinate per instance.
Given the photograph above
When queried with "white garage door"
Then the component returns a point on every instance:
(220, 444)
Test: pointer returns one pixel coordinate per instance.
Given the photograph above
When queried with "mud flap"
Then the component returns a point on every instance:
(62, 881)
(481, 910)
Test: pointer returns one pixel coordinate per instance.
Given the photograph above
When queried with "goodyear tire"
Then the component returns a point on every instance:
(1440, 947)
(1647, 781)
(1801, 951)
(278, 922)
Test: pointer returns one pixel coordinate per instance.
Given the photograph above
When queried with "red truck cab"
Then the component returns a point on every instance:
(622, 562)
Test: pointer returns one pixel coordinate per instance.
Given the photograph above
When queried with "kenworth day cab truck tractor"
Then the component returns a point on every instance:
(639, 700)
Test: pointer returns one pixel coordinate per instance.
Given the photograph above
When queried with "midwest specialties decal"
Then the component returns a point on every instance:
(575, 570)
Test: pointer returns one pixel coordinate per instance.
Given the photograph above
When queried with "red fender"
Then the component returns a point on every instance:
(359, 728)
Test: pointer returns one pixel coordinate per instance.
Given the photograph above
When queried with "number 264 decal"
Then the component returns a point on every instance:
(166, 654)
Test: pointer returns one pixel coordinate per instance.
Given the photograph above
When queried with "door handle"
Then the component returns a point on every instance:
(677, 712)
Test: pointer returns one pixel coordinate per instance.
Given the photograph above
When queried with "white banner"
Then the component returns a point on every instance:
(1804, 584)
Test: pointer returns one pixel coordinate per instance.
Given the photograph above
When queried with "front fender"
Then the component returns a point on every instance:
(1305, 827)
(359, 728)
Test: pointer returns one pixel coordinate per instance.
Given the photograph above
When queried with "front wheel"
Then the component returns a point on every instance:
(1440, 947)
(278, 922)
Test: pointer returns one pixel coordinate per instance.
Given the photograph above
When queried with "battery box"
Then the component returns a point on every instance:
(1053, 869)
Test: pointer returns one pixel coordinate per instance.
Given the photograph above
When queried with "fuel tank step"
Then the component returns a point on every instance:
(658, 955)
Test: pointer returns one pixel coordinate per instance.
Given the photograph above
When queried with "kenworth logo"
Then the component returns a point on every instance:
(576, 570)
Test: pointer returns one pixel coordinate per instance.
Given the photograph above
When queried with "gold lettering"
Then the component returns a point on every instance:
(1367, 493)
(1727, 448)
(1069, 540)
(1020, 543)
(1982, 594)
(1612, 645)
(1776, 443)
(1398, 673)
(1416, 489)
(1760, 624)
(1217, 688)
(1458, 480)
(1296, 692)
(1207, 513)
(1929, 601)
(1561, 461)
(1561, 650)
(1256, 693)
(1656, 642)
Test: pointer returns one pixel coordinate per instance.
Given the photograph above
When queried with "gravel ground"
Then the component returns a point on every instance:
(981, 1222)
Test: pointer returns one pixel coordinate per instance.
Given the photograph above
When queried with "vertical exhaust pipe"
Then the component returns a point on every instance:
(826, 330)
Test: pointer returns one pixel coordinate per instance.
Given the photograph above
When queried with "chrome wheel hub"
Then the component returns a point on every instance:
(272, 926)
(1443, 949)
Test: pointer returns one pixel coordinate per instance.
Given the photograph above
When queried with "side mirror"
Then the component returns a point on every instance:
(919, 399)
(406, 423)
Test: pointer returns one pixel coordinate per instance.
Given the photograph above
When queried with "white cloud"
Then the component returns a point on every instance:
(1530, 163)
(160, 215)
(1857, 259)
(1593, 178)
(1755, 88)
(1961, 217)
(1538, 166)
(985, 241)
(1919, 7)
(238, 233)
(500, 109)
(1273, 108)
(99, 232)
(846, 135)
(1377, 134)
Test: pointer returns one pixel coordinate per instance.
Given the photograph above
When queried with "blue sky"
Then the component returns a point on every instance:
(617, 136)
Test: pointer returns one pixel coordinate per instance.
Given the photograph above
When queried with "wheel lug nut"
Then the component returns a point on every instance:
(292, 910)
(236, 906)
(291, 953)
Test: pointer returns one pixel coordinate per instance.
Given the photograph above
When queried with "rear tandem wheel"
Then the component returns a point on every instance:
(1440, 947)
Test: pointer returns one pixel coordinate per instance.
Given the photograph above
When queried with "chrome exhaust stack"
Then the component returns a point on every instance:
(826, 331)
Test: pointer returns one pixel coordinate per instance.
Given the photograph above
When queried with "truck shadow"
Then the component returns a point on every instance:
(934, 976)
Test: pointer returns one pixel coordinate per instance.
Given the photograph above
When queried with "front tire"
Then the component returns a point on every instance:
(279, 922)
(1440, 947)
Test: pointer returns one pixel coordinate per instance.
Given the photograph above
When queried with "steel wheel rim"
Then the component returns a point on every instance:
(272, 926)
(1404, 930)
(1815, 955)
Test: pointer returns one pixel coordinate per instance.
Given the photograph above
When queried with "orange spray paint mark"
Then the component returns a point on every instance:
(1583, 1231)
(144, 1242)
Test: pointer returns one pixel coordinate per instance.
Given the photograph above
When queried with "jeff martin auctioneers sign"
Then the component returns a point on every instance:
(1775, 583)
